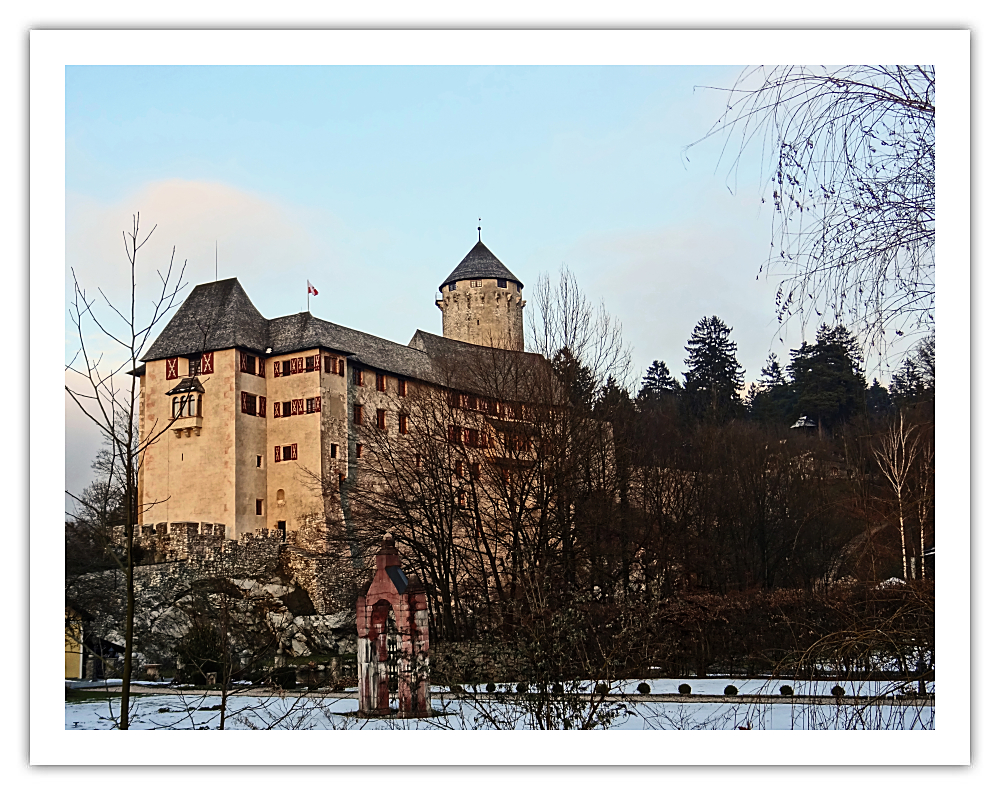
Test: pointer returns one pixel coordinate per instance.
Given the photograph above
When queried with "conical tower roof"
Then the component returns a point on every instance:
(481, 263)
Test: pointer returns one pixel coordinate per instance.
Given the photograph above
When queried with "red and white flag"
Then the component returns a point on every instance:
(310, 289)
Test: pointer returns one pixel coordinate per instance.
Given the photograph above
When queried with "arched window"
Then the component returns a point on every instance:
(281, 496)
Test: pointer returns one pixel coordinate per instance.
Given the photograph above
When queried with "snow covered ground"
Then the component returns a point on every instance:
(178, 710)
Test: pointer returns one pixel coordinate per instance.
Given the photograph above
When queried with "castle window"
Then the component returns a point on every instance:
(477, 282)
(260, 507)
(401, 387)
(194, 366)
(454, 434)
(280, 496)
(248, 363)
(262, 406)
(470, 437)
(359, 414)
(501, 282)
(404, 423)
(358, 450)
(286, 409)
(312, 364)
(333, 451)
(476, 470)
(452, 286)
(186, 406)
(340, 366)
(298, 406)
(286, 367)
(417, 461)
(260, 460)
(461, 499)
(380, 419)
(380, 382)
(312, 405)
(358, 376)
(289, 452)
(328, 364)
(459, 469)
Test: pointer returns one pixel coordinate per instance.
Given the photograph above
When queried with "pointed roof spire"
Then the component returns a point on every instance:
(481, 263)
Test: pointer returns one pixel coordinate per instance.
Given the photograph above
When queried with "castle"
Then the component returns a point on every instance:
(242, 407)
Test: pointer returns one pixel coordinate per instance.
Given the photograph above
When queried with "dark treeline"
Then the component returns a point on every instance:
(530, 492)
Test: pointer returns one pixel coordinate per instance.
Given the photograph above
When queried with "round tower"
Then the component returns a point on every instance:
(481, 302)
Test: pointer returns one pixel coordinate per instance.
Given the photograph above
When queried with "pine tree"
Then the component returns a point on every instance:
(828, 377)
(914, 381)
(713, 384)
(657, 384)
(772, 399)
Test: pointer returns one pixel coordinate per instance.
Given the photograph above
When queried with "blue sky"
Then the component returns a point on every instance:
(369, 182)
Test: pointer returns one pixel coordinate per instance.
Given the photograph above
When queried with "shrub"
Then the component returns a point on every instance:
(786, 690)
(557, 689)
(731, 690)
(684, 689)
(837, 690)
(522, 687)
(602, 689)
(644, 688)
(490, 687)
(456, 689)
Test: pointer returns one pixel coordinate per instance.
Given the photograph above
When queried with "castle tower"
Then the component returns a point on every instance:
(481, 302)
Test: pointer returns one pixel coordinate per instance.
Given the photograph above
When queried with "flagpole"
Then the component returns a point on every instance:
(308, 296)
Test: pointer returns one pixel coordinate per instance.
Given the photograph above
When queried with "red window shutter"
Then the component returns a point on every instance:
(207, 363)
(318, 403)
(297, 406)
(243, 362)
(171, 369)
(340, 366)
(295, 452)
(277, 453)
(277, 409)
(243, 402)
(277, 369)
(262, 408)
(260, 366)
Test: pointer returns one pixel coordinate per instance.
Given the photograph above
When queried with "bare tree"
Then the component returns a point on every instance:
(896, 452)
(114, 406)
(850, 153)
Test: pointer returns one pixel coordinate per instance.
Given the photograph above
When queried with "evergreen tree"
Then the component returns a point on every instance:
(828, 377)
(772, 399)
(576, 379)
(877, 399)
(914, 381)
(658, 386)
(713, 384)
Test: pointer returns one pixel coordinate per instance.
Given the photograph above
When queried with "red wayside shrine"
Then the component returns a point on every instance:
(393, 644)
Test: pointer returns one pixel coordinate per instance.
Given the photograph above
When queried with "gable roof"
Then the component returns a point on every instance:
(216, 316)
(480, 263)
(219, 315)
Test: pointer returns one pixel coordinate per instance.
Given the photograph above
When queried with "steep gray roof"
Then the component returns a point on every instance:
(480, 369)
(480, 263)
(303, 331)
(219, 315)
(216, 316)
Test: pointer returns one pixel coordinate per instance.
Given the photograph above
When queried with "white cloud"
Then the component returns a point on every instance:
(255, 235)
